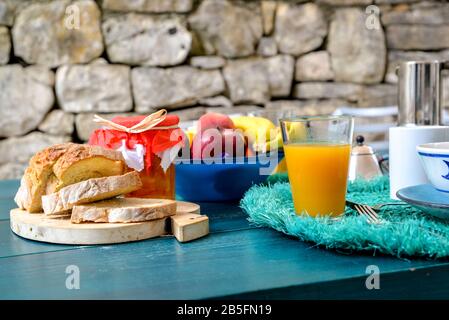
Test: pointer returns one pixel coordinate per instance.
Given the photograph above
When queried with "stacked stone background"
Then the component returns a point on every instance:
(63, 61)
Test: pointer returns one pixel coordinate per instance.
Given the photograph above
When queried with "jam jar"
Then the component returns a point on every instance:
(148, 145)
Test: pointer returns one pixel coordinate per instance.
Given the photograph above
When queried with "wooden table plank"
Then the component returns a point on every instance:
(5, 206)
(250, 263)
(225, 216)
(12, 245)
(426, 283)
(8, 188)
(255, 262)
(8, 191)
(222, 218)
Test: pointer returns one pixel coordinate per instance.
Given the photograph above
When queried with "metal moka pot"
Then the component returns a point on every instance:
(363, 163)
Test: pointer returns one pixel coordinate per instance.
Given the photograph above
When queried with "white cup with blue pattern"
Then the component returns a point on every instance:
(435, 160)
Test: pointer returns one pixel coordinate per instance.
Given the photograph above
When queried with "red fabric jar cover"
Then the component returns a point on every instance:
(154, 140)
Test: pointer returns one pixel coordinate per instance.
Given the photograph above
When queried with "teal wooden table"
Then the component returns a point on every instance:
(236, 260)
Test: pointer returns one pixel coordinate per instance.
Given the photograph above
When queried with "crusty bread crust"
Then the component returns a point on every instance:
(22, 197)
(123, 210)
(81, 152)
(42, 175)
(90, 191)
(47, 157)
(34, 181)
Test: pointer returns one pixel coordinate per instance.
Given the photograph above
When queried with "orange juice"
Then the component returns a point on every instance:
(318, 177)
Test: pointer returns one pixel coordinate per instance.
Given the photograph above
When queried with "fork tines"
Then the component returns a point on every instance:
(368, 212)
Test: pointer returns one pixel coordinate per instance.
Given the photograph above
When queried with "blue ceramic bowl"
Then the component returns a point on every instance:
(219, 181)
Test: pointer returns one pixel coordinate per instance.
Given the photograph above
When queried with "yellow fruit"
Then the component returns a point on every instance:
(257, 129)
(276, 143)
(296, 131)
(270, 145)
(265, 128)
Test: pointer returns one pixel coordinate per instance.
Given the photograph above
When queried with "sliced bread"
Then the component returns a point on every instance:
(60, 165)
(83, 162)
(35, 179)
(123, 210)
(90, 191)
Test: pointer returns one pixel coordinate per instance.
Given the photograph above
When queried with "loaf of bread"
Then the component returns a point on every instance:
(35, 179)
(61, 165)
(83, 162)
(123, 210)
(91, 190)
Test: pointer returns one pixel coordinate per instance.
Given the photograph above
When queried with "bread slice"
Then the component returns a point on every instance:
(123, 210)
(35, 179)
(83, 162)
(63, 164)
(90, 191)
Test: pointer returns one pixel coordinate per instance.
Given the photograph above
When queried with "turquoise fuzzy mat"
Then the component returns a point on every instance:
(405, 232)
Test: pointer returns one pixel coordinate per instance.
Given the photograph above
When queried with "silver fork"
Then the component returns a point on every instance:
(365, 210)
(372, 217)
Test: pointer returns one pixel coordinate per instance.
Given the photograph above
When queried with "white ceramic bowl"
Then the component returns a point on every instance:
(435, 160)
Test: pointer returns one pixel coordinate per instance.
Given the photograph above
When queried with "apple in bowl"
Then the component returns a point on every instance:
(221, 166)
(217, 138)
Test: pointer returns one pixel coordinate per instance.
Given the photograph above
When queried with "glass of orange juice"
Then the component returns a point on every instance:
(317, 151)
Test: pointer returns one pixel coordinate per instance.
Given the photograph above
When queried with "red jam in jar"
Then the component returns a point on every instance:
(146, 151)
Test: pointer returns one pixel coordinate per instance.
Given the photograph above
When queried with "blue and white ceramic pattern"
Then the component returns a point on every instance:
(427, 199)
(435, 160)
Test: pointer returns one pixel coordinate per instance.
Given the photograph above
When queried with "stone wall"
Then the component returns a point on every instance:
(62, 61)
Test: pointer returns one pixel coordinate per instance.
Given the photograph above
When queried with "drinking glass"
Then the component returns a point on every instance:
(317, 150)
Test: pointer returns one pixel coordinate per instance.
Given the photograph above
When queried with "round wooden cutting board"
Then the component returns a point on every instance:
(54, 229)
(187, 207)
